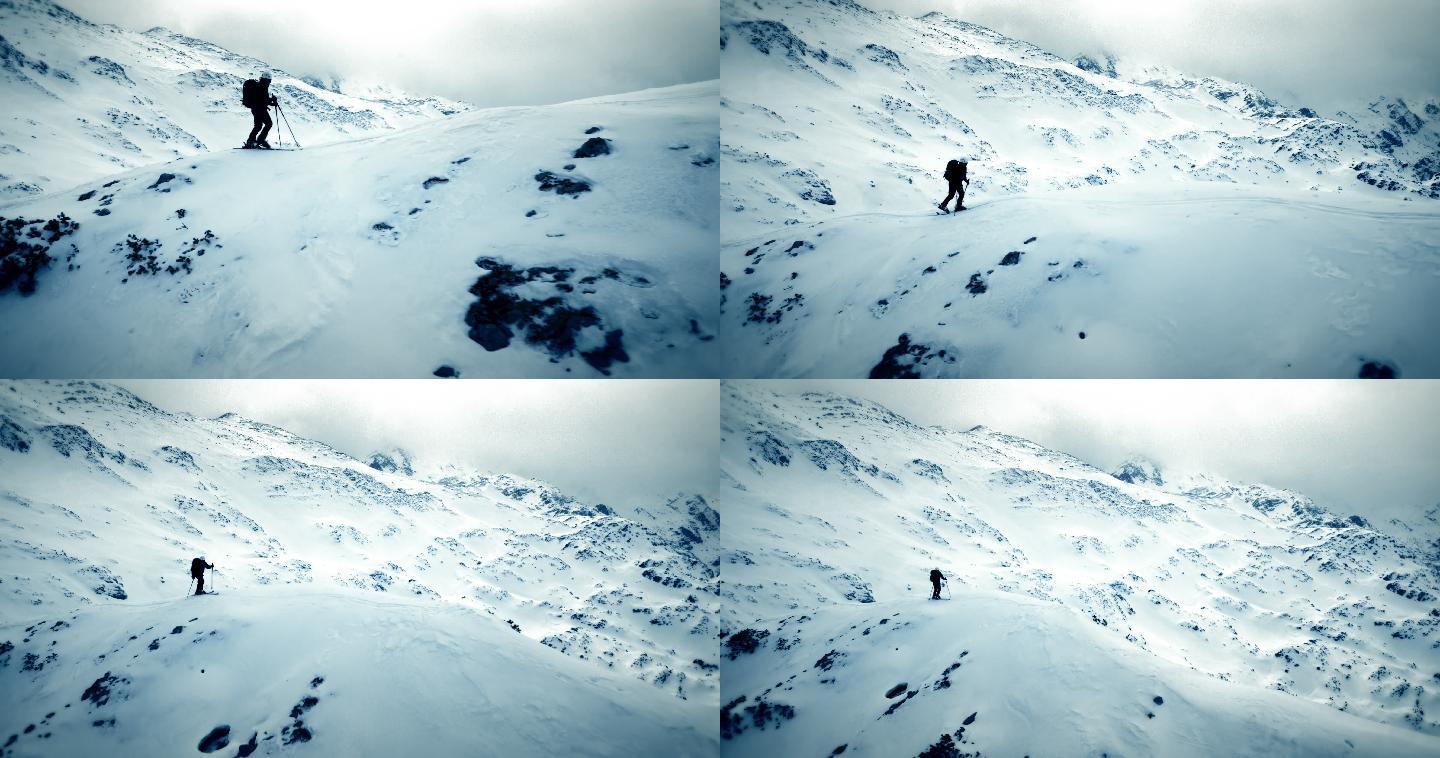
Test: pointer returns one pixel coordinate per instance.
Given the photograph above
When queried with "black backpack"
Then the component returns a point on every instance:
(250, 95)
(954, 171)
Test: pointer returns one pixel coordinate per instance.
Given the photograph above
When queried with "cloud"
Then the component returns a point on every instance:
(1327, 54)
(488, 52)
(631, 442)
(1356, 447)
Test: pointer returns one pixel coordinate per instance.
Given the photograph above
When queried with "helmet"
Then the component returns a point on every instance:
(265, 76)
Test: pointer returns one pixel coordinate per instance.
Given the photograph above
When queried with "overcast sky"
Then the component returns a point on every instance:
(631, 442)
(1357, 447)
(486, 52)
(1327, 54)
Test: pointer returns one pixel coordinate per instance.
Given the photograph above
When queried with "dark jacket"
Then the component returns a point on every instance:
(955, 172)
(936, 576)
(255, 93)
(198, 566)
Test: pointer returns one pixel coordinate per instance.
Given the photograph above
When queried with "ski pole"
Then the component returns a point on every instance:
(188, 586)
(279, 135)
(287, 126)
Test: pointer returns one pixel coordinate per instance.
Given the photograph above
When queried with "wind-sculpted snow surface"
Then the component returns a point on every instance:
(1140, 613)
(1208, 283)
(89, 100)
(441, 252)
(432, 596)
(1186, 227)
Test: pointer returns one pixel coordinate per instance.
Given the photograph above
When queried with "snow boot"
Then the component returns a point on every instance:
(263, 145)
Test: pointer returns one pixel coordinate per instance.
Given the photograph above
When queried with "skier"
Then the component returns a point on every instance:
(955, 175)
(256, 96)
(935, 578)
(197, 572)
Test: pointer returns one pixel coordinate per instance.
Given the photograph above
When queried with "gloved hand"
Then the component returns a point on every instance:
(273, 101)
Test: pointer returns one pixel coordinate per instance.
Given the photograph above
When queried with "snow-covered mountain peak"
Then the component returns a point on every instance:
(394, 461)
(1140, 470)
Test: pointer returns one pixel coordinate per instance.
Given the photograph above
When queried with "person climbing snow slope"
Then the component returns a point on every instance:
(255, 95)
(955, 175)
(935, 579)
(197, 572)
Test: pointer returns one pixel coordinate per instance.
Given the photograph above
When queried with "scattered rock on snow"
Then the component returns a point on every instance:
(218, 738)
(561, 185)
(595, 146)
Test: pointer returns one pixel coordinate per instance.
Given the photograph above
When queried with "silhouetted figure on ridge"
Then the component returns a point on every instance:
(955, 175)
(256, 96)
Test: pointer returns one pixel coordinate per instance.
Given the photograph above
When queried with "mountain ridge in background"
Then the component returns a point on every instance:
(1089, 611)
(423, 604)
(1142, 223)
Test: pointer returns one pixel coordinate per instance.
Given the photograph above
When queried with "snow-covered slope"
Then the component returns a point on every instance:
(1137, 613)
(481, 244)
(475, 614)
(84, 100)
(1211, 231)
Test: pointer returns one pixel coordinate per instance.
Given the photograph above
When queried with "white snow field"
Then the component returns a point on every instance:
(466, 614)
(1217, 232)
(571, 240)
(1140, 612)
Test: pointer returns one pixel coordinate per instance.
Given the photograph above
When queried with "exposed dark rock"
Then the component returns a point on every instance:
(25, 248)
(744, 642)
(595, 146)
(561, 185)
(553, 323)
(218, 738)
(902, 359)
(1378, 370)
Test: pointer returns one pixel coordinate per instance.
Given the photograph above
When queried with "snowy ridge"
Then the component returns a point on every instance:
(1156, 226)
(87, 100)
(108, 498)
(1090, 613)
(833, 109)
(567, 240)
